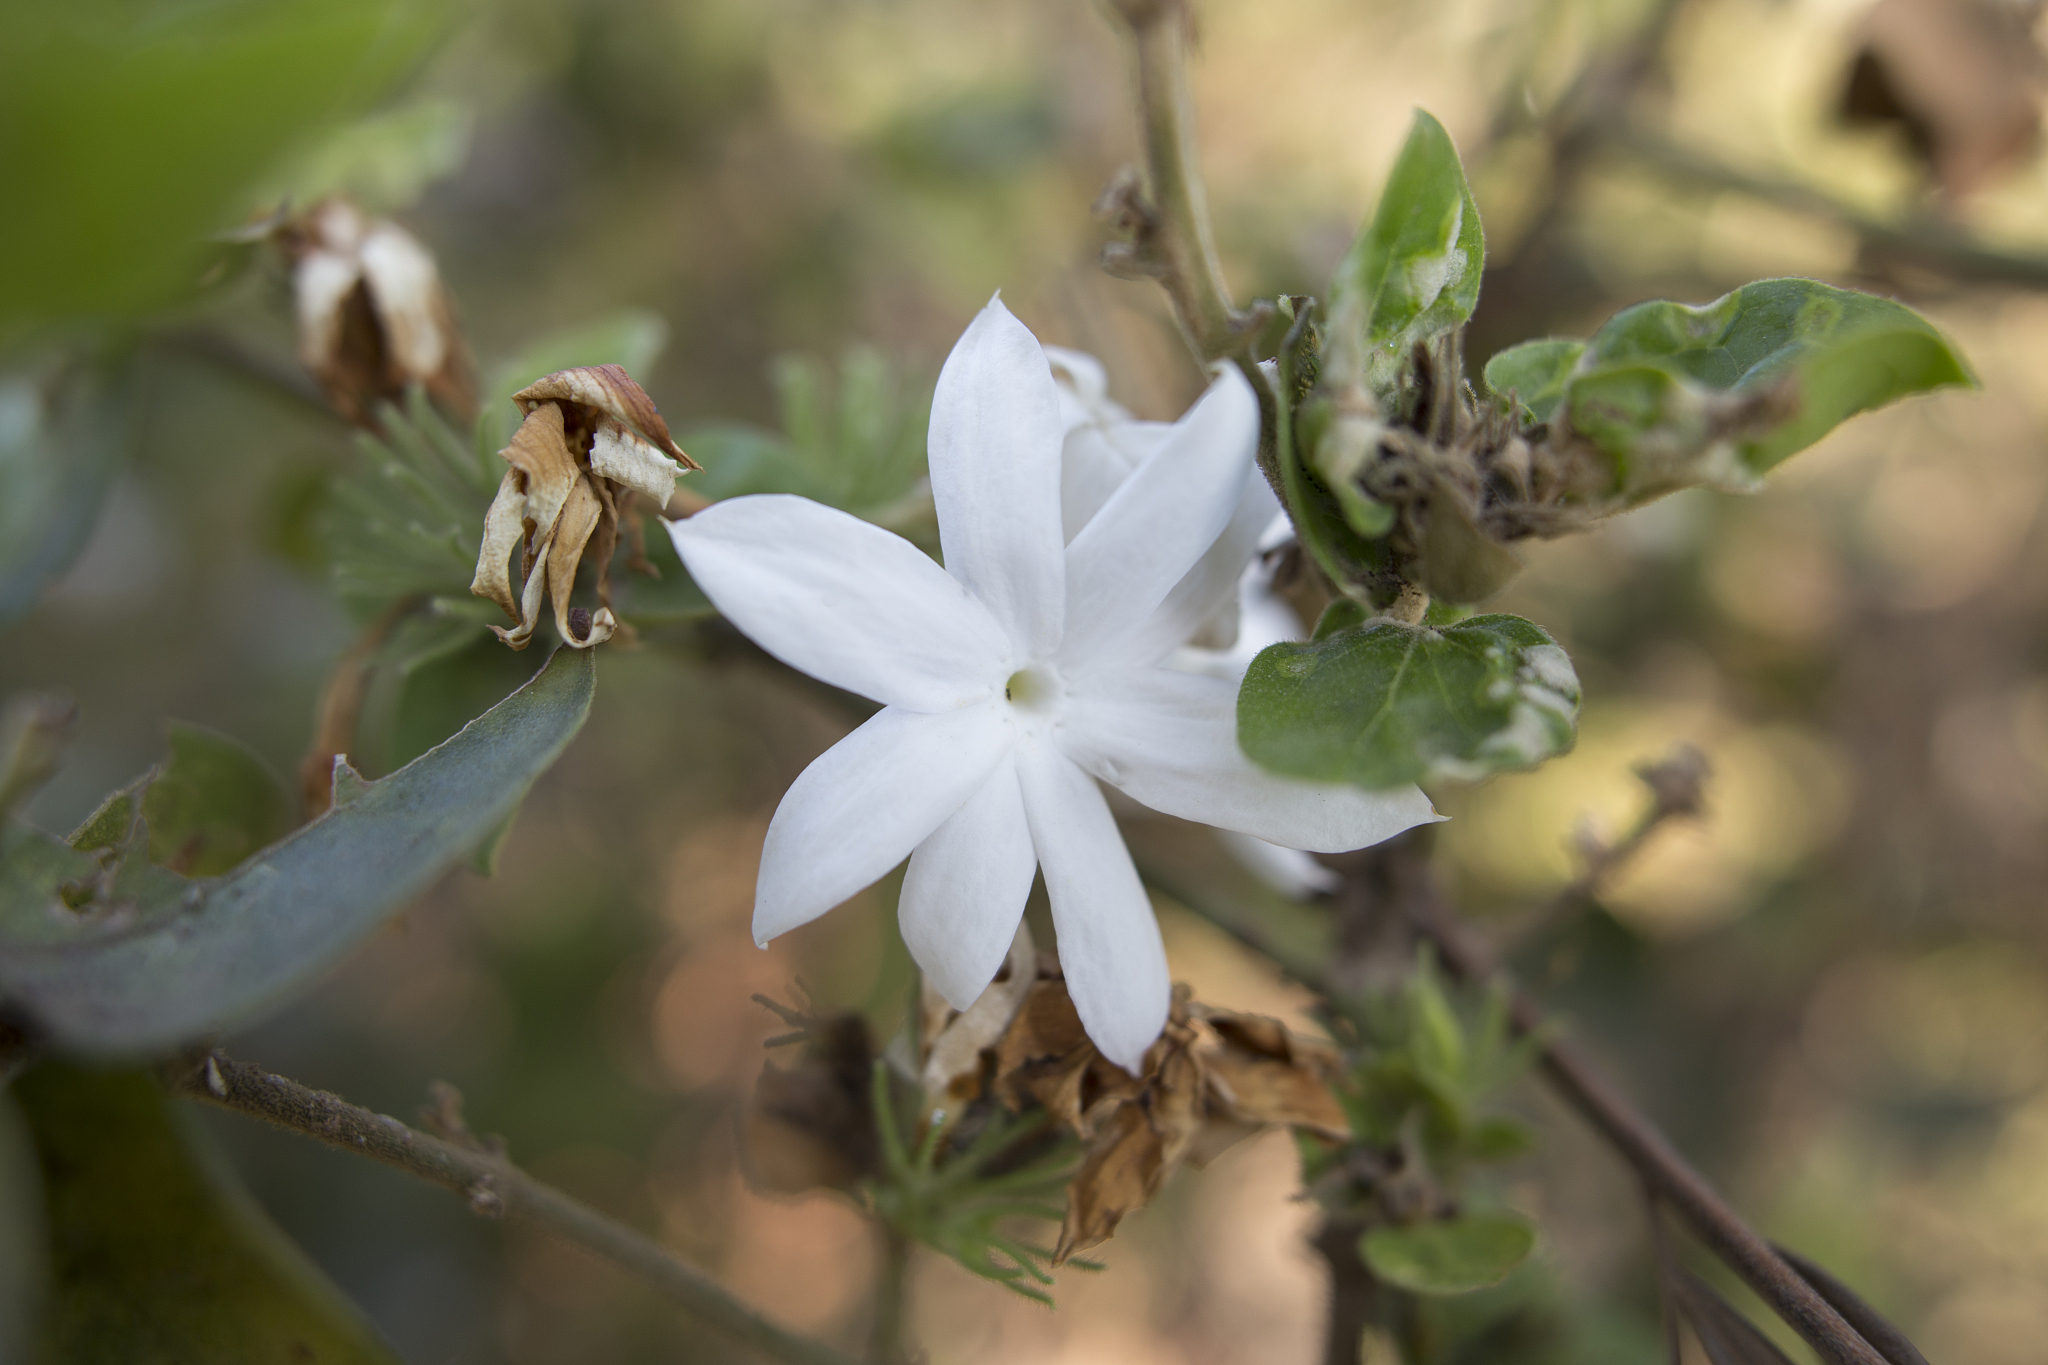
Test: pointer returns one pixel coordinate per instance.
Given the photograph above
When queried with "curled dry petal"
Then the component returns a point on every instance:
(956, 1041)
(546, 504)
(610, 392)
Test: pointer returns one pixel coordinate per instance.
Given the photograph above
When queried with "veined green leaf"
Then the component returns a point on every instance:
(1454, 1257)
(214, 804)
(156, 960)
(1414, 271)
(156, 1252)
(1386, 703)
(1674, 395)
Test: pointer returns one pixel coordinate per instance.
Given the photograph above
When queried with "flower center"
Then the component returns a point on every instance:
(1036, 689)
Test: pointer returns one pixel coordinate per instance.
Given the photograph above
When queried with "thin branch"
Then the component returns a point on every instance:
(1169, 221)
(1667, 1277)
(495, 1189)
(1632, 1135)
(1677, 785)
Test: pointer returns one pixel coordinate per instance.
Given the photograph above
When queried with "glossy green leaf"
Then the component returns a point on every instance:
(1414, 271)
(213, 805)
(62, 440)
(153, 960)
(1535, 372)
(157, 1255)
(1386, 703)
(631, 338)
(140, 129)
(1454, 1257)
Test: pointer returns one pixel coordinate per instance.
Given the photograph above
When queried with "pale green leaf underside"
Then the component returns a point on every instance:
(1454, 1257)
(1720, 393)
(169, 960)
(1385, 703)
(1413, 273)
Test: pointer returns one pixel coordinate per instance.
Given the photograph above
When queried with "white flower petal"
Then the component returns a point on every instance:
(995, 451)
(1289, 871)
(406, 288)
(1169, 740)
(965, 889)
(1159, 523)
(844, 601)
(1109, 944)
(1095, 461)
(1207, 595)
(866, 802)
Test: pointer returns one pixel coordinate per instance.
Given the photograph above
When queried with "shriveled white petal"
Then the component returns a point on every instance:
(1160, 522)
(865, 803)
(965, 889)
(1169, 740)
(406, 288)
(320, 282)
(1109, 944)
(995, 456)
(844, 601)
(621, 456)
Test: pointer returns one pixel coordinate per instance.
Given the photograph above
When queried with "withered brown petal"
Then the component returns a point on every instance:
(1137, 1147)
(504, 529)
(1262, 1089)
(619, 454)
(1045, 1054)
(953, 1051)
(610, 390)
(579, 518)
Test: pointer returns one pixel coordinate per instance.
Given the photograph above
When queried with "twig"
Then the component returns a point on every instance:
(341, 707)
(1667, 1277)
(1584, 1088)
(1677, 784)
(494, 1188)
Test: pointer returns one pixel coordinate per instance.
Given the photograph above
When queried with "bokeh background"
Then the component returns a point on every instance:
(1833, 989)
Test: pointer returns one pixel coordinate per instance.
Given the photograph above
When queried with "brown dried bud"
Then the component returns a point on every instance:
(373, 316)
(591, 441)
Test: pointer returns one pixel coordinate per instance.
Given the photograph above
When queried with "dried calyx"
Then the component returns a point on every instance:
(374, 318)
(590, 444)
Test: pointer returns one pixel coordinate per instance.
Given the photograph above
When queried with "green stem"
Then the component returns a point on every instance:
(885, 1342)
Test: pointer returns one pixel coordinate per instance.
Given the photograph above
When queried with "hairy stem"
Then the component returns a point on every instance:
(495, 1189)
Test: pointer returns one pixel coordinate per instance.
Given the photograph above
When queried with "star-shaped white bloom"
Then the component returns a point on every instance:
(1011, 680)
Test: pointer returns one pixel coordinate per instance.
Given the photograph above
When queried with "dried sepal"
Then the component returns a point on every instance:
(1212, 1078)
(958, 1044)
(591, 440)
(373, 316)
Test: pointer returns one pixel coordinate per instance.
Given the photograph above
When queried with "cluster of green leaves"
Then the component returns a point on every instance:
(960, 1198)
(856, 442)
(1427, 1071)
(1400, 478)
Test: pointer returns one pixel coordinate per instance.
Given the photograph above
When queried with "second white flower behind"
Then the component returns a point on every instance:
(1011, 680)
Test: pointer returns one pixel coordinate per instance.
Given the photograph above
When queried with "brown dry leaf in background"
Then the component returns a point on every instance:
(813, 1124)
(373, 316)
(592, 441)
(1962, 78)
(1213, 1078)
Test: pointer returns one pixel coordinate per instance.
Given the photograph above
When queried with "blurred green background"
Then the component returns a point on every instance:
(1833, 989)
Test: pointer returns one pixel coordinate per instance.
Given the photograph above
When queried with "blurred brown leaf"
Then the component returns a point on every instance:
(813, 1124)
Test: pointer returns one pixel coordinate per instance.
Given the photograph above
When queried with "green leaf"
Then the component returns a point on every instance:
(631, 338)
(140, 129)
(62, 440)
(1455, 1257)
(156, 1252)
(1386, 703)
(1535, 372)
(383, 163)
(214, 804)
(1414, 271)
(159, 960)
(1674, 395)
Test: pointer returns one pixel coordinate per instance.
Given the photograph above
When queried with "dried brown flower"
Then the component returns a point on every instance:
(592, 441)
(373, 316)
(812, 1124)
(1214, 1077)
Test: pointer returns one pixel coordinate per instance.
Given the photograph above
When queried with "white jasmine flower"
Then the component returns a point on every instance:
(1011, 680)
